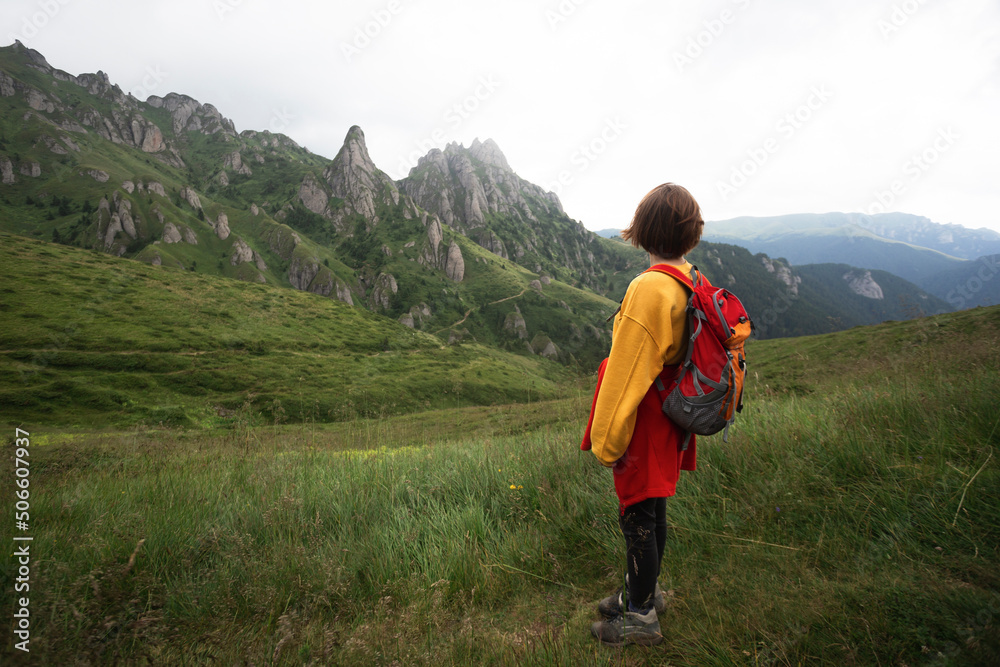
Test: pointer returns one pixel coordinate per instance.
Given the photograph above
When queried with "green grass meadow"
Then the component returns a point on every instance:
(265, 477)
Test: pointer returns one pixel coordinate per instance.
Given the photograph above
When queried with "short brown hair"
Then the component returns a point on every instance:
(667, 222)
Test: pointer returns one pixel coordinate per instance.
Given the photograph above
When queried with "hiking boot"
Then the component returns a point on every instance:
(611, 606)
(631, 628)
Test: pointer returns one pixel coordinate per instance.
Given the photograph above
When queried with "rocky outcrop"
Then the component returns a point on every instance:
(98, 175)
(417, 316)
(313, 196)
(155, 188)
(7, 170)
(7, 88)
(31, 169)
(431, 254)
(303, 271)
(221, 226)
(53, 145)
(191, 197)
(241, 253)
(353, 177)
(462, 186)
(38, 101)
(171, 234)
(234, 161)
(455, 264)
(543, 346)
(474, 191)
(189, 115)
(131, 128)
(862, 284)
(115, 217)
(307, 274)
(782, 272)
(515, 325)
(383, 291)
(282, 241)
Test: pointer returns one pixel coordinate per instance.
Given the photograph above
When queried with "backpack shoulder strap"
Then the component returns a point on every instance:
(681, 277)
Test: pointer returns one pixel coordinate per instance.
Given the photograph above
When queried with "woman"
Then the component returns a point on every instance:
(628, 431)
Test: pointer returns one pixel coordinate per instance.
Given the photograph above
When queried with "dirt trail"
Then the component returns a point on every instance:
(469, 312)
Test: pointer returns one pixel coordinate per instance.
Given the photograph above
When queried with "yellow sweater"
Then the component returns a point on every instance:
(649, 333)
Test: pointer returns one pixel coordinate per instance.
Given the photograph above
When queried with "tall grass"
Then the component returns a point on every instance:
(854, 521)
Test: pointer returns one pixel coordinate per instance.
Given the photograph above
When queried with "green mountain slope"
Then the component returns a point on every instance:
(94, 340)
(462, 248)
(170, 182)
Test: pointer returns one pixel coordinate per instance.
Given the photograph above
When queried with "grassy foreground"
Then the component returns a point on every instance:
(852, 519)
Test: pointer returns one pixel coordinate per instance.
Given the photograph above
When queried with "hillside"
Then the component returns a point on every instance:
(169, 181)
(853, 518)
(93, 340)
(462, 248)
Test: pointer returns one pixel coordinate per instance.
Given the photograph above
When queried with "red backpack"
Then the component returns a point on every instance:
(705, 392)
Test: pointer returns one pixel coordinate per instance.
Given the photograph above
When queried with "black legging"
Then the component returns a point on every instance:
(644, 526)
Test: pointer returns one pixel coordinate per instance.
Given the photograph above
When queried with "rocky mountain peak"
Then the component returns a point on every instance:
(37, 58)
(463, 186)
(489, 153)
(353, 177)
(189, 115)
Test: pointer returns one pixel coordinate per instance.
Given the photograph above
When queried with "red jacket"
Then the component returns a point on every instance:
(653, 461)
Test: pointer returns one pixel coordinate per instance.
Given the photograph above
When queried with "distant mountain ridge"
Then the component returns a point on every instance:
(461, 248)
(832, 238)
(949, 239)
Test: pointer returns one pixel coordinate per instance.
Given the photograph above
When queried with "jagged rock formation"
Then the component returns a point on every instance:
(515, 325)
(454, 265)
(339, 228)
(782, 271)
(171, 234)
(234, 161)
(862, 284)
(221, 226)
(417, 316)
(385, 288)
(191, 197)
(188, 115)
(114, 218)
(474, 191)
(7, 170)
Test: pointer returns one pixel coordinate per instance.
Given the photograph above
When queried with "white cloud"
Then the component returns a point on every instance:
(560, 81)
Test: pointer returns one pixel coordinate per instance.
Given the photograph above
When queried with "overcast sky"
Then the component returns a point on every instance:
(758, 107)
